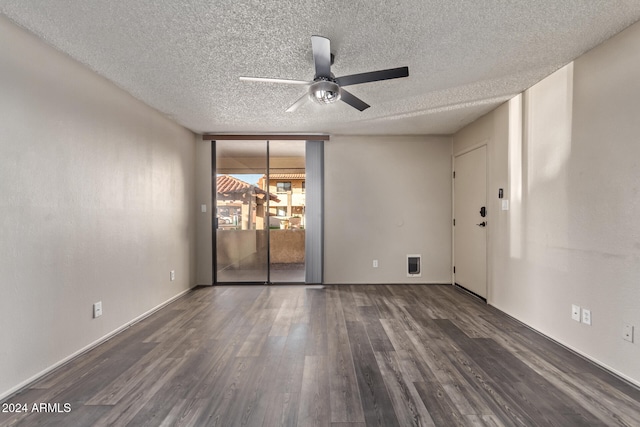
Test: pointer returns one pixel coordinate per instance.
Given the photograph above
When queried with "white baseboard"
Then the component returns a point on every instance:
(585, 356)
(86, 348)
(595, 361)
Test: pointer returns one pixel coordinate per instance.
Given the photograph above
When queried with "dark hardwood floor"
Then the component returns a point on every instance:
(398, 355)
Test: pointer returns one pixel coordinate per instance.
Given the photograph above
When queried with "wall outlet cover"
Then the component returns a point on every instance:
(586, 316)
(627, 333)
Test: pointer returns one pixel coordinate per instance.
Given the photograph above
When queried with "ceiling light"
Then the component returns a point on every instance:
(324, 92)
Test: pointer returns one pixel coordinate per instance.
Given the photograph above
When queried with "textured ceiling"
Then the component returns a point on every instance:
(184, 57)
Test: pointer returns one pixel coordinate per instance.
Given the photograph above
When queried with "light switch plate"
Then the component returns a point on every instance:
(575, 312)
(505, 205)
(97, 309)
(627, 333)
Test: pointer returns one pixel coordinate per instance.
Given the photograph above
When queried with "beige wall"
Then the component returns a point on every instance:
(572, 234)
(385, 198)
(97, 204)
(204, 224)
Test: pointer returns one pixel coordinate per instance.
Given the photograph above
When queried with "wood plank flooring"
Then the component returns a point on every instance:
(365, 355)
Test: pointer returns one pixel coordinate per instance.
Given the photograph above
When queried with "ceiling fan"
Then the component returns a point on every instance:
(327, 89)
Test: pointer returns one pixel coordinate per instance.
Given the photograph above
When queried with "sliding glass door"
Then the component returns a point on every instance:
(241, 217)
(260, 211)
(287, 180)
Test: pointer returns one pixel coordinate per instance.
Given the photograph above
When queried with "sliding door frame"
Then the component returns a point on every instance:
(313, 271)
(214, 214)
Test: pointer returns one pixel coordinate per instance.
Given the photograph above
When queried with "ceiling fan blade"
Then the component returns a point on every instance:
(270, 80)
(321, 55)
(298, 103)
(373, 76)
(353, 100)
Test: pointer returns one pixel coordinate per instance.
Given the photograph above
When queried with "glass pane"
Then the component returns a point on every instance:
(241, 215)
(287, 212)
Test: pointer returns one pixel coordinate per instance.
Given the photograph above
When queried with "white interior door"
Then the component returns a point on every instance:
(470, 238)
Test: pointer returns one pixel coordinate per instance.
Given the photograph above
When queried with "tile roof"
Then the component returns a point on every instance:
(226, 184)
(287, 176)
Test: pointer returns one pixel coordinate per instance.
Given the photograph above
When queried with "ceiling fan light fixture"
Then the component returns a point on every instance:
(325, 87)
(324, 92)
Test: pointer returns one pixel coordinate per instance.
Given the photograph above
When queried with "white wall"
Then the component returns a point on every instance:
(386, 197)
(572, 235)
(96, 204)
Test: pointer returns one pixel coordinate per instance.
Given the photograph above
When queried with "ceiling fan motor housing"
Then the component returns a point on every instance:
(324, 91)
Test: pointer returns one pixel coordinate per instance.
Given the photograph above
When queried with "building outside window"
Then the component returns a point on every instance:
(283, 186)
(290, 188)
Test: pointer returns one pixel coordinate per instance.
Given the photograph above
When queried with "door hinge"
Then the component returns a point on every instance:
(454, 174)
(454, 222)
(454, 269)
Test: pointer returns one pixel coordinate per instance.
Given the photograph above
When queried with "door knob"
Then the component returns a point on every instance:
(482, 224)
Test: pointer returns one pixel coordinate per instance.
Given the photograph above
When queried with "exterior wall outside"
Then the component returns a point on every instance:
(97, 205)
(286, 246)
(570, 170)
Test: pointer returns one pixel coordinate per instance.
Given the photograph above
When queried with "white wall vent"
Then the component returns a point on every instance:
(414, 265)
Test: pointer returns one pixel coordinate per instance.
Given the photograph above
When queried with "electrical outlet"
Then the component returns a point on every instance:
(575, 312)
(97, 309)
(586, 316)
(627, 333)
(172, 275)
(375, 263)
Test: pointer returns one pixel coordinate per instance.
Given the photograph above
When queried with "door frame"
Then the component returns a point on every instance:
(468, 149)
(313, 272)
